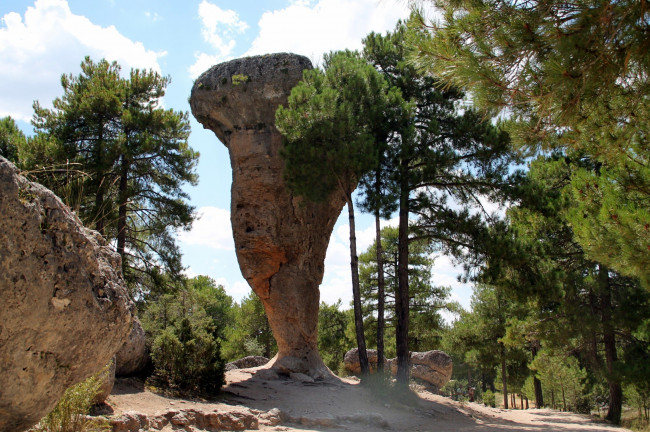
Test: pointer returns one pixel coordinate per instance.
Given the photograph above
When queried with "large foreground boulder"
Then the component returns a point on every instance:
(280, 240)
(64, 308)
(133, 357)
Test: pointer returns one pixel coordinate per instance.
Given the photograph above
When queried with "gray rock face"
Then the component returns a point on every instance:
(280, 241)
(133, 357)
(434, 367)
(352, 364)
(247, 362)
(108, 381)
(64, 308)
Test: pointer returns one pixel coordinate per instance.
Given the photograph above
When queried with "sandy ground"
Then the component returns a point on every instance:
(351, 407)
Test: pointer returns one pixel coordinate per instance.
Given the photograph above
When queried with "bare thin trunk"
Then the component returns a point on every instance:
(537, 384)
(356, 293)
(380, 297)
(609, 337)
(504, 378)
(402, 294)
(121, 220)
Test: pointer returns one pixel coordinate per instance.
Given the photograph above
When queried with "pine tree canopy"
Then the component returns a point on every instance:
(120, 161)
(567, 75)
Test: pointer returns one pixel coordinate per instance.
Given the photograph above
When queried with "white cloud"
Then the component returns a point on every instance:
(212, 228)
(237, 290)
(49, 41)
(314, 28)
(219, 28)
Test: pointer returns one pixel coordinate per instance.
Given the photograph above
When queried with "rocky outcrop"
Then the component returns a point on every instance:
(247, 362)
(280, 240)
(108, 380)
(351, 361)
(433, 367)
(133, 357)
(237, 419)
(64, 308)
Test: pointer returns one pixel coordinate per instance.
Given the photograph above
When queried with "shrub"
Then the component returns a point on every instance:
(489, 399)
(185, 348)
(70, 414)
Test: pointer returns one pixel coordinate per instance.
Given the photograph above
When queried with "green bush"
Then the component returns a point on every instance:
(185, 343)
(70, 413)
(489, 399)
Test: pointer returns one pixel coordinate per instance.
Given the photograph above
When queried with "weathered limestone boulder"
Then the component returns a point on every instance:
(133, 357)
(434, 367)
(247, 362)
(108, 381)
(64, 308)
(351, 361)
(280, 240)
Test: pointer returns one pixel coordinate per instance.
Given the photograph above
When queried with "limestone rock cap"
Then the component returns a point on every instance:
(244, 93)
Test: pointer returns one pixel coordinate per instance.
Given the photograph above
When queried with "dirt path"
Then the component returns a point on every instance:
(343, 405)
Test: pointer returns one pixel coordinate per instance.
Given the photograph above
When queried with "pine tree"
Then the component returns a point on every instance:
(437, 155)
(120, 161)
(332, 127)
(11, 139)
(568, 75)
(545, 267)
(426, 300)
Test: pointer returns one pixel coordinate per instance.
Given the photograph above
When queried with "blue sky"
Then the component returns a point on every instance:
(43, 39)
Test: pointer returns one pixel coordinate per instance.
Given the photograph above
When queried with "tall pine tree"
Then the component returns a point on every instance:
(120, 161)
(332, 126)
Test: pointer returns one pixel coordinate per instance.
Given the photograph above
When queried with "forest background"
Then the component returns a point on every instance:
(560, 304)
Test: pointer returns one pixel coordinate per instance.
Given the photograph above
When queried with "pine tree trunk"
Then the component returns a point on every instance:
(553, 399)
(402, 294)
(356, 293)
(609, 338)
(122, 211)
(537, 384)
(98, 213)
(380, 297)
(504, 378)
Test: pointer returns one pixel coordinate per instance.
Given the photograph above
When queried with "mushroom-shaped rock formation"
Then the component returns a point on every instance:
(64, 307)
(280, 240)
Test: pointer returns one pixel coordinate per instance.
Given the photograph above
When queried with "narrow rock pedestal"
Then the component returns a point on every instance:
(280, 240)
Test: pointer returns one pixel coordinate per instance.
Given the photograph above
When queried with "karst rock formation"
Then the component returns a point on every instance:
(64, 307)
(280, 239)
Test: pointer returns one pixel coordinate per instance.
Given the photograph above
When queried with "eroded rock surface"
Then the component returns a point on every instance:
(133, 357)
(352, 364)
(108, 380)
(64, 308)
(247, 362)
(280, 241)
(434, 367)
